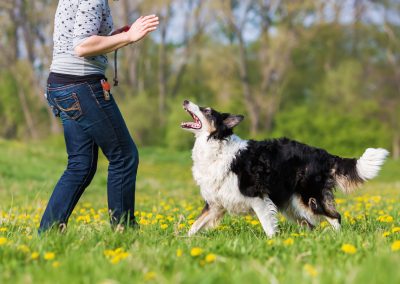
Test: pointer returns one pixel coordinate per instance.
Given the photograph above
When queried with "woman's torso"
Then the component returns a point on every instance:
(75, 21)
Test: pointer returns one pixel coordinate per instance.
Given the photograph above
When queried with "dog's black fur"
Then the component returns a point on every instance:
(281, 167)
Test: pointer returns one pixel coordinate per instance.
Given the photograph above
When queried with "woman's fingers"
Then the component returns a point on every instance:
(148, 17)
(151, 22)
(151, 25)
(151, 29)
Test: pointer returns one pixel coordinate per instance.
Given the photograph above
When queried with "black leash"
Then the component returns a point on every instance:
(115, 68)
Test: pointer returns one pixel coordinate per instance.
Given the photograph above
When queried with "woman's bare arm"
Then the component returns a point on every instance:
(96, 45)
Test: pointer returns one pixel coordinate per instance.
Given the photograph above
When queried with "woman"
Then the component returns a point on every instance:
(78, 93)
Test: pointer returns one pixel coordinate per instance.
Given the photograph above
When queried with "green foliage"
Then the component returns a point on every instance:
(11, 115)
(345, 134)
(176, 137)
(141, 117)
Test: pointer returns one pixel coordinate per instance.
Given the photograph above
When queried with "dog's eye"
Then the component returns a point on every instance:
(207, 110)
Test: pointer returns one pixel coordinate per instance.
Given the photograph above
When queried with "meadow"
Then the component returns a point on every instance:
(366, 250)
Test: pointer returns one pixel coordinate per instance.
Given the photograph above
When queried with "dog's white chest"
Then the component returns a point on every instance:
(212, 172)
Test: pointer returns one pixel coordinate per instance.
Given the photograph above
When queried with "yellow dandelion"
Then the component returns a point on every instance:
(385, 234)
(23, 248)
(340, 200)
(196, 251)
(210, 258)
(3, 241)
(49, 255)
(179, 252)
(323, 224)
(35, 255)
(55, 264)
(310, 270)
(254, 222)
(349, 249)
(143, 221)
(118, 257)
(115, 256)
(288, 242)
(396, 246)
(395, 229)
(151, 275)
(108, 252)
(181, 226)
(385, 219)
(3, 229)
(164, 226)
(119, 250)
(270, 242)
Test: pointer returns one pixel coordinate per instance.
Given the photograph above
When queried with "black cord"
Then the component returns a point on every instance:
(115, 68)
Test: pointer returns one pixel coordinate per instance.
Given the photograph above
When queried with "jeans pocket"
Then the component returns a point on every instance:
(69, 105)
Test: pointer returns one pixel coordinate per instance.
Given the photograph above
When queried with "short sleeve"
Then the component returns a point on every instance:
(88, 20)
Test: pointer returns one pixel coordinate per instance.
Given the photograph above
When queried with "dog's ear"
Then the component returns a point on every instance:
(232, 120)
(328, 202)
(312, 203)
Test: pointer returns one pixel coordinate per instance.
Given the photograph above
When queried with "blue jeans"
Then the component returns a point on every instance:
(90, 121)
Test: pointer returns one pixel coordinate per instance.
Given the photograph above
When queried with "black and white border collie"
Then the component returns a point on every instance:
(242, 176)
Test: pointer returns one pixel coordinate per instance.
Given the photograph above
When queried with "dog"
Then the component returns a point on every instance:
(238, 176)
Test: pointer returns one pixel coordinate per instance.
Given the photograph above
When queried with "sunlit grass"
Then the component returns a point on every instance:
(367, 250)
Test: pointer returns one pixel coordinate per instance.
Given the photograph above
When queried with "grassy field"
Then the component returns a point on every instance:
(367, 250)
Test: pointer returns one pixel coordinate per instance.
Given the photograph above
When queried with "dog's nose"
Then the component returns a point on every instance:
(185, 102)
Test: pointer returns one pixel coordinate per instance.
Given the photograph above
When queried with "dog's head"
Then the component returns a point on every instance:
(324, 206)
(208, 121)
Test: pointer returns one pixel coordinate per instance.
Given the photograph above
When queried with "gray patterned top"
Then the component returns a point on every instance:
(75, 21)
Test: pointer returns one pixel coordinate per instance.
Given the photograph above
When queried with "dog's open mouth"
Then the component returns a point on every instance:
(196, 124)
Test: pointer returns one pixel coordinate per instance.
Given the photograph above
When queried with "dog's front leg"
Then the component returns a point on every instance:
(209, 218)
(266, 212)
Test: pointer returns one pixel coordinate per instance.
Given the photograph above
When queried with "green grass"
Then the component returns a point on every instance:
(167, 202)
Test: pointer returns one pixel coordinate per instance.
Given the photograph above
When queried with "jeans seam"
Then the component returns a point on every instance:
(66, 86)
(119, 148)
(70, 209)
(94, 96)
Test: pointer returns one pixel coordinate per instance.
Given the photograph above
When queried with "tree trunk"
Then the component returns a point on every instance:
(162, 82)
(131, 51)
(245, 82)
(162, 65)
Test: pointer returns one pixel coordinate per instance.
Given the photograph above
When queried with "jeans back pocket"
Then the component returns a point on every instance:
(69, 105)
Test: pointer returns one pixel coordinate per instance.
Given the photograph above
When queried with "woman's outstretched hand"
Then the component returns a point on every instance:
(141, 27)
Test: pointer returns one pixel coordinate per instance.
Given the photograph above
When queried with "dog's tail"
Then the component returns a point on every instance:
(349, 174)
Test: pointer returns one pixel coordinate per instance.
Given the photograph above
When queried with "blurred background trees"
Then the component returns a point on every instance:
(323, 72)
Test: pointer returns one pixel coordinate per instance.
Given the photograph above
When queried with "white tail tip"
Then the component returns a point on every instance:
(369, 164)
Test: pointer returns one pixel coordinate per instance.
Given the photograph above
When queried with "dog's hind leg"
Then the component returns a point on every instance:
(266, 212)
(209, 218)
